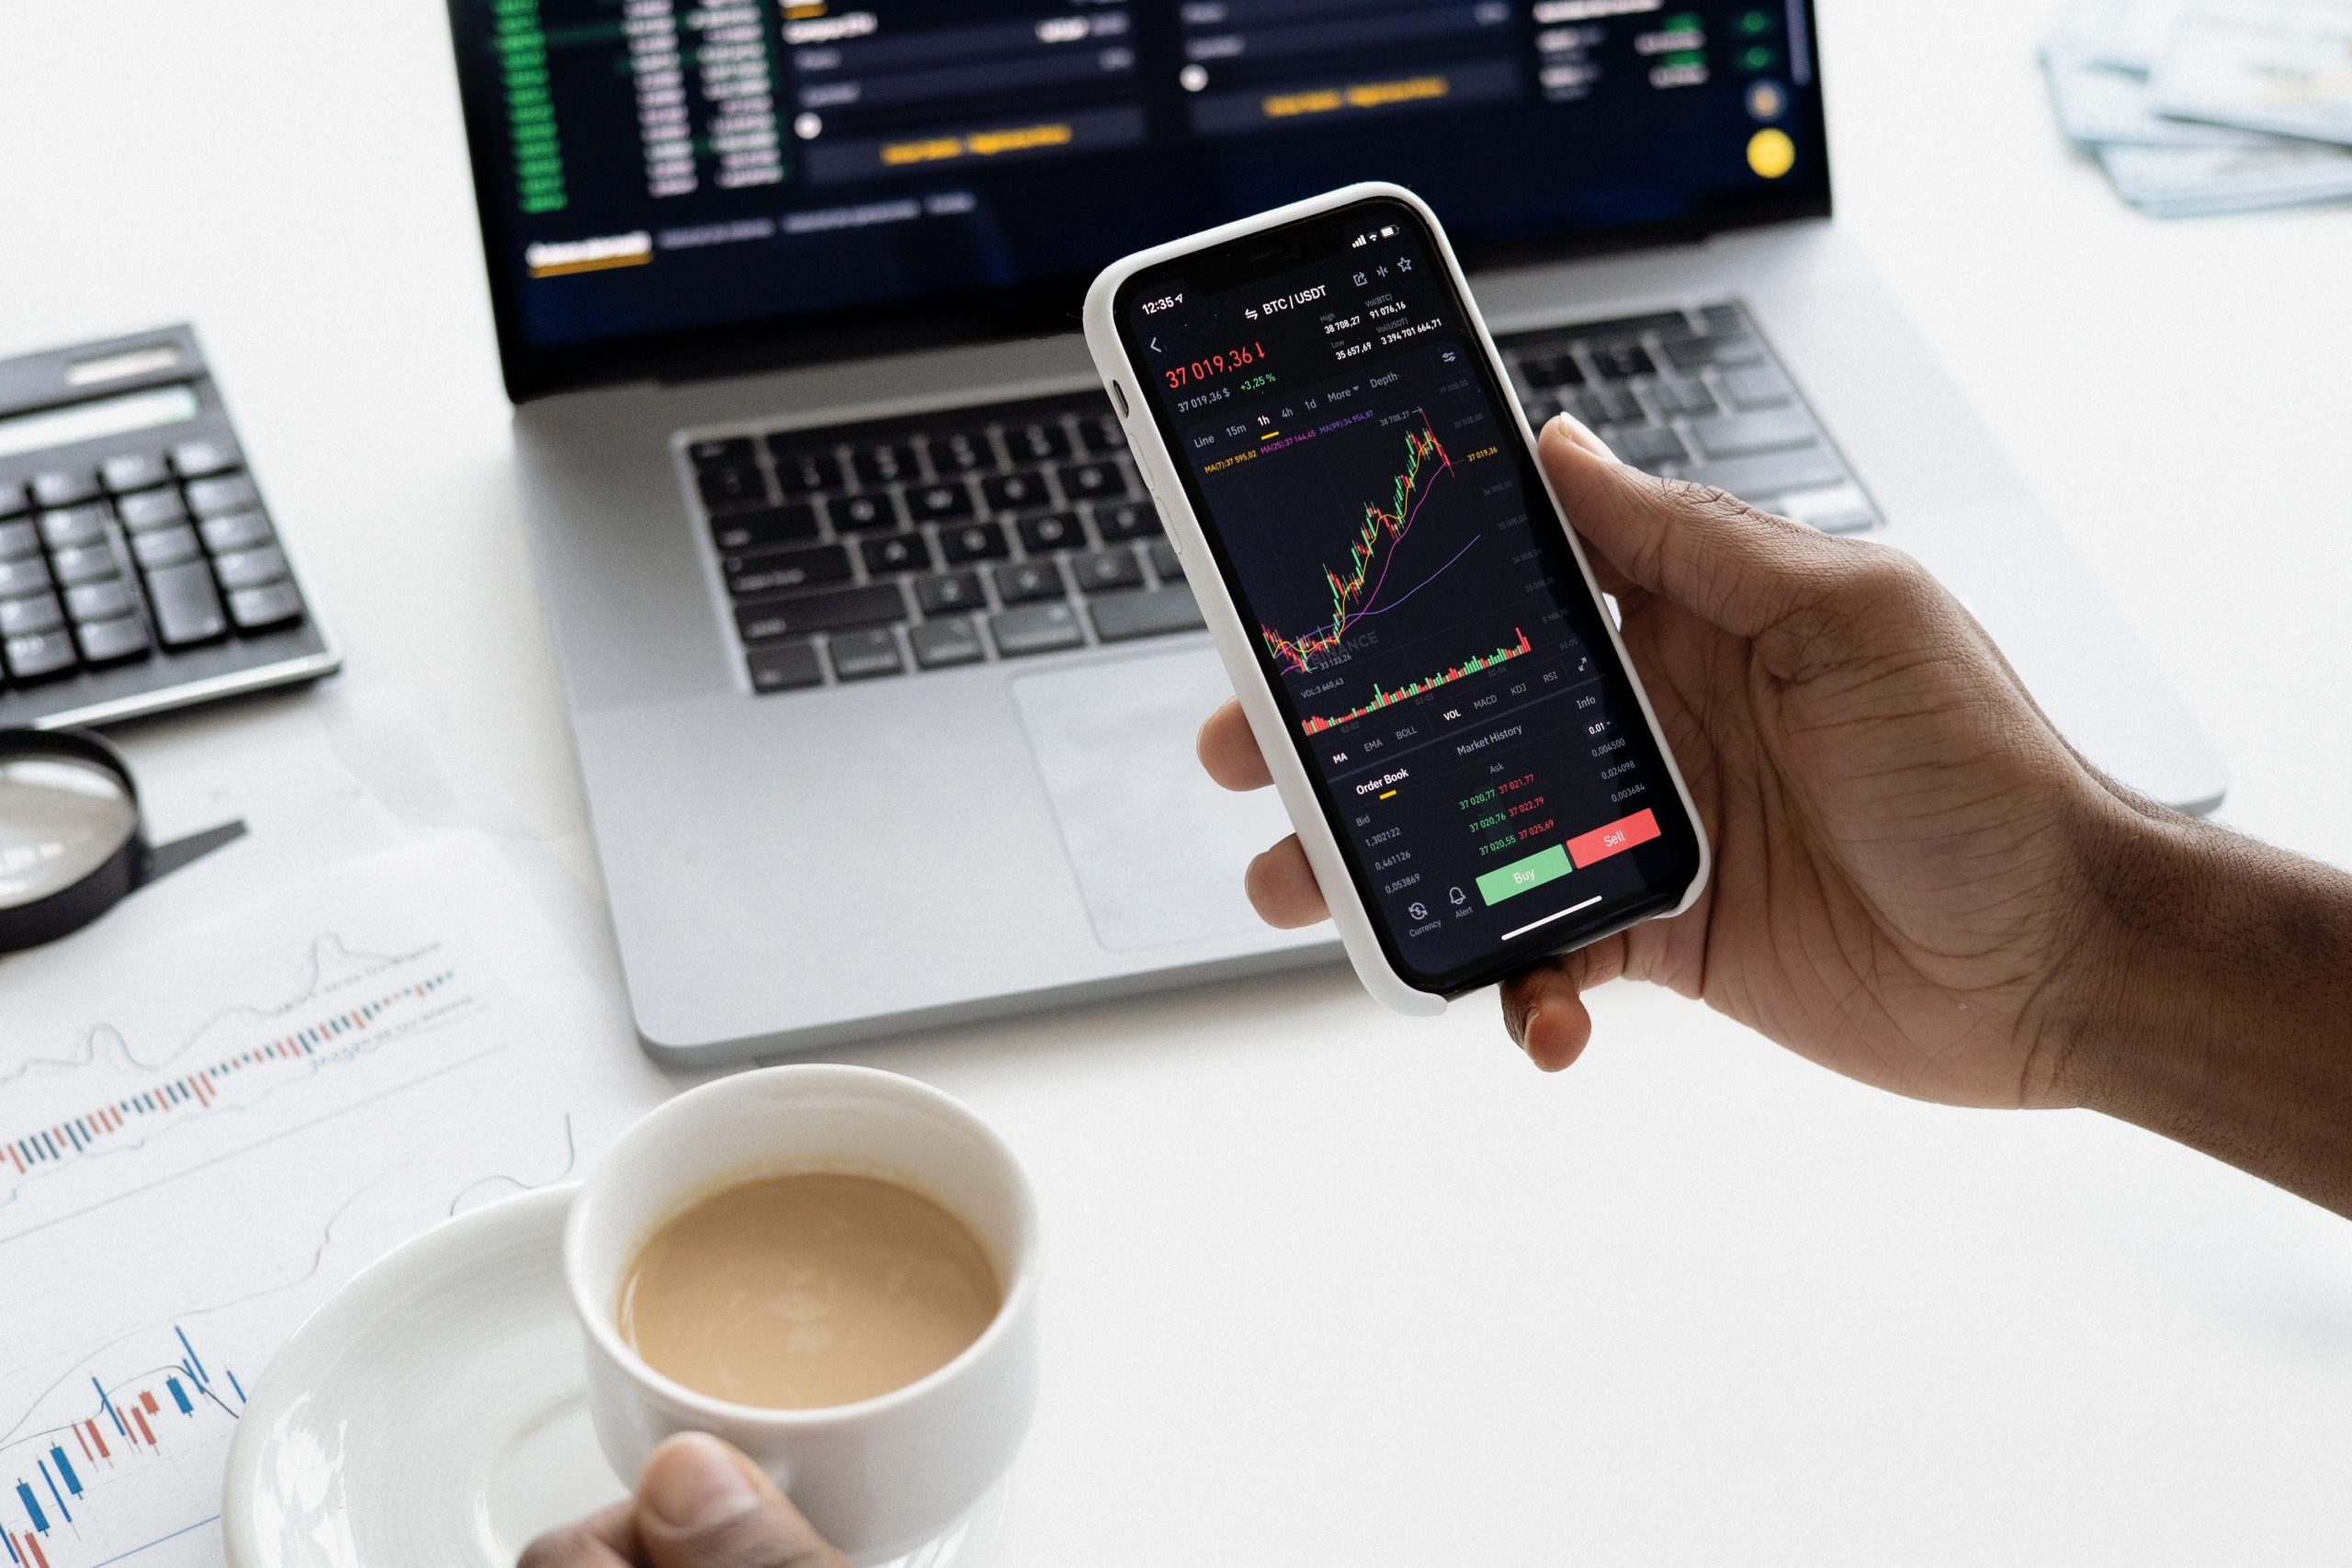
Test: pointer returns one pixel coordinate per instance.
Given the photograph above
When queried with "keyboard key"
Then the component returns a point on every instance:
(237, 531)
(852, 514)
(884, 463)
(164, 547)
(107, 642)
(860, 656)
(1760, 478)
(1622, 361)
(271, 605)
(949, 592)
(1021, 582)
(82, 563)
(1645, 445)
(843, 608)
(101, 601)
(939, 644)
(250, 568)
(1681, 394)
(939, 503)
(133, 471)
(1608, 405)
(1052, 531)
(1120, 617)
(36, 654)
(1015, 493)
(1757, 385)
(1035, 440)
(1104, 570)
(784, 572)
(11, 498)
(38, 613)
(1552, 370)
(150, 509)
(20, 577)
(199, 459)
(1723, 319)
(972, 541)
(186, 609)
(19, 540)
(1102, 434)
(1635, 326)
(1764, 430)
(962, 452)
(74, 525)
(800, 469)
(723, 452)
(1127, 520)
(722, 490)
(1164, 560)
(1698, 352)
(64, 487)
(761, 530)
(887, 553)
(1096, 482)
(1036, 629)
(784, 667)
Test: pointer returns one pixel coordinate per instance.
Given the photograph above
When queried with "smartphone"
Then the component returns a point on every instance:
(1424, 656)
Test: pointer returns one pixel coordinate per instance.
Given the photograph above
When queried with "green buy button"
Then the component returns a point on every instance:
(1506, 882)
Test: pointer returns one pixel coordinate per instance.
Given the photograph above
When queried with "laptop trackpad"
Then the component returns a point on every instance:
(1158, 850)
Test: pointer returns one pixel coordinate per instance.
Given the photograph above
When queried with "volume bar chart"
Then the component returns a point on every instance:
(1380, 699)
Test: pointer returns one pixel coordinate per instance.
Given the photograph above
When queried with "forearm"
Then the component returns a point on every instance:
(2220, 1013)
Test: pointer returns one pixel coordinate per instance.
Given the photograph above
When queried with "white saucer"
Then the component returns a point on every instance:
(433, 1412)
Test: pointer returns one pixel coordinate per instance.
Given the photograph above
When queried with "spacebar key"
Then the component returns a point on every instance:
(821, 612)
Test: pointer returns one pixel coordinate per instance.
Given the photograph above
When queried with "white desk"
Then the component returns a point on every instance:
(1326, 1286)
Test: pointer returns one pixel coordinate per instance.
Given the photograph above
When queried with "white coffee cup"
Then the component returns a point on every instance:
(880, 1477)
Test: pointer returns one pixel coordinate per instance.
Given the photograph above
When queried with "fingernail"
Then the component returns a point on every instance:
(693, 1482)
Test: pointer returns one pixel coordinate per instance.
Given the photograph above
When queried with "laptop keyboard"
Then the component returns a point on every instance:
(1002, 530)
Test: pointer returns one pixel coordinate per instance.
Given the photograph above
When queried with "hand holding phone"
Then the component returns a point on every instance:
(1473, 769)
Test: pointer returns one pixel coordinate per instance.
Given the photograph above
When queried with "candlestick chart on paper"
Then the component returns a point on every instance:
(197, 1154)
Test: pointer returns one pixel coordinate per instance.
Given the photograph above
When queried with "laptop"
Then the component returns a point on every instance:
(882, 676)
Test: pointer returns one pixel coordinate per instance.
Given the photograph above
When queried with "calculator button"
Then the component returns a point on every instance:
(231, 492)
(164, 547)
(104, 642)
(199, 459)
(250, 568)
(19, 540)
(60, 488)
(150, 509)
(38, 614)
(237, 531)
(11, 498)
(82, 563)
(255, 609)
(37, 654)
(22, 577)
(100, 601)
(186, 609)
(74, 525)
(132, 470)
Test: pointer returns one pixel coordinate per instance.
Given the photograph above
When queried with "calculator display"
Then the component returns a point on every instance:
(117, 415)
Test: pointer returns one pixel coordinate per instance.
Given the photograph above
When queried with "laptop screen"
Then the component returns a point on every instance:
(666, 184)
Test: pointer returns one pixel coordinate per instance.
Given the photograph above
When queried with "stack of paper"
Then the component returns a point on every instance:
(2196, 107)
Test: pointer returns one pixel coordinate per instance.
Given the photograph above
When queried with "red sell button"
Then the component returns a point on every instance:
(1622, 834)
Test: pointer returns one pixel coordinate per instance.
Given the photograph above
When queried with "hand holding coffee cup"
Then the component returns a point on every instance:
(834, 1270)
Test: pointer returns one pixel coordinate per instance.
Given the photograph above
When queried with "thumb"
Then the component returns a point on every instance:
(700, 1503)
(1723, 560)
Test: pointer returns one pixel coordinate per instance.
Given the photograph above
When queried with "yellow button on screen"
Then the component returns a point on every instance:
(1771, 152)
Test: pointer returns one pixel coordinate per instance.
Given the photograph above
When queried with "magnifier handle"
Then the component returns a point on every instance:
(162, 860)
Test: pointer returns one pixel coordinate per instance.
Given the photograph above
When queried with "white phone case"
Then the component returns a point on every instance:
(1122, 378)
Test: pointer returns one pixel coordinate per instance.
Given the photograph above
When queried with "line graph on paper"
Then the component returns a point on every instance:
(116, 1108)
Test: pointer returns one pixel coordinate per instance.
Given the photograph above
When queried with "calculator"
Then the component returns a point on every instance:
(139, 570)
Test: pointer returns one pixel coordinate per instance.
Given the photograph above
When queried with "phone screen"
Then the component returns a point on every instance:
(1441, 664)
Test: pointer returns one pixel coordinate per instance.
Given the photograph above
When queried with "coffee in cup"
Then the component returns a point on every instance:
(807, 1288)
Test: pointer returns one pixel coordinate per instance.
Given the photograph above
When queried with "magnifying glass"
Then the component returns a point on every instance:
(71, 844)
